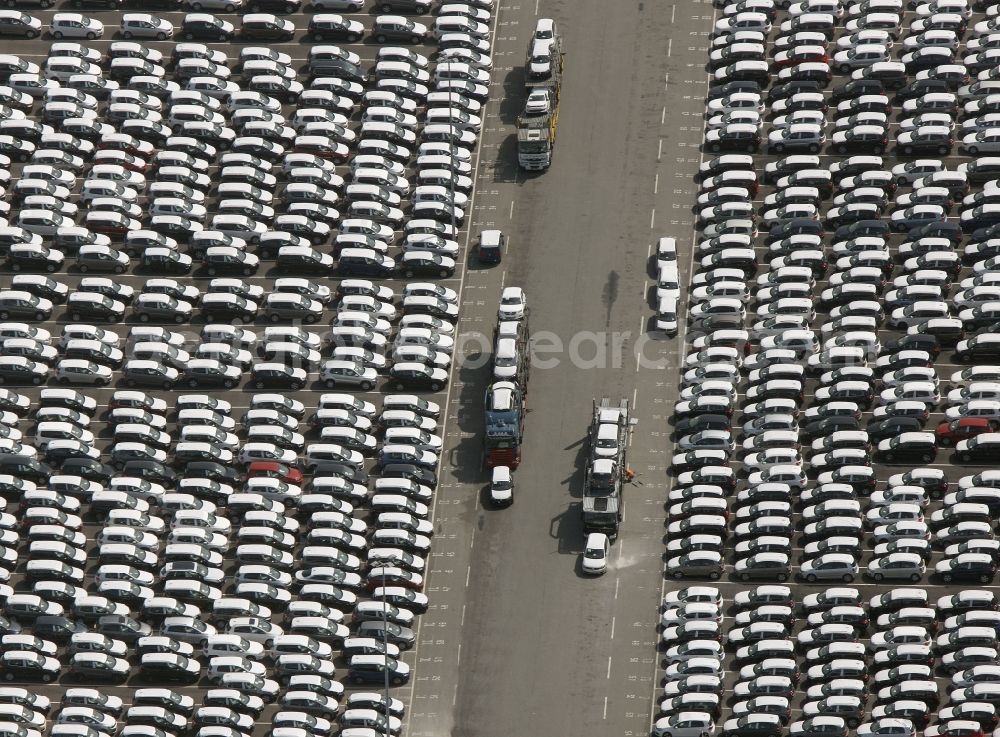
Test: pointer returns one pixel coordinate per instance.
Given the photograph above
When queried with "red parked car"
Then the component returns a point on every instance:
(949, 433)
(275, 470)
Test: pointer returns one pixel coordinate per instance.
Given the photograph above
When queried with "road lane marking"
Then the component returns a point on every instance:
(451, 384)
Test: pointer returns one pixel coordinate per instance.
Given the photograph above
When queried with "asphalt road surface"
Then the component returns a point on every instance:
(517, 641)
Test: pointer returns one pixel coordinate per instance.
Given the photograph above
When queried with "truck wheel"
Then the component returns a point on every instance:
(380, 38)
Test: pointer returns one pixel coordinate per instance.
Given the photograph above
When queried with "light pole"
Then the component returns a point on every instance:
(451, 178)
(385, 647)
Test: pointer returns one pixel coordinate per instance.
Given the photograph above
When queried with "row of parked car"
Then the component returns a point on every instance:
(175, 134)
(359, 342)
(830, 301)
(855, 369)
(84, 710)
(267, 555)
(835, 648)
(159, 592)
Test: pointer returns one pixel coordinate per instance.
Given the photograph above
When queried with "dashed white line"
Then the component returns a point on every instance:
(670, 45)
(605, 707)
(447, 397)
(617, 584)
(656, 183)
(681, 338)
(609, 668)
(511, 213)
(468, 575)
(613, 618)
(663, 115)
(652, 219)
(659, 150)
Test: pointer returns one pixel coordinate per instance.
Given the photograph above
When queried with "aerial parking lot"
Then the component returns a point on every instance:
(837, 424)
(234, 240)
